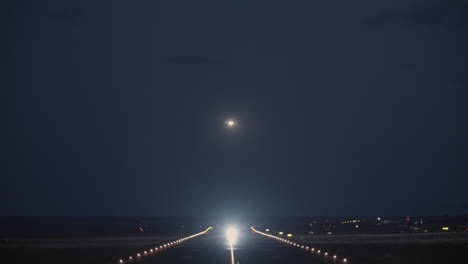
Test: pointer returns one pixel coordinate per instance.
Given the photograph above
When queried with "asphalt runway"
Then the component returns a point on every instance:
(249, 249)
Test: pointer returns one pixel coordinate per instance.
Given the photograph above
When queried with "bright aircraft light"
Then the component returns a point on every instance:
(231, 123)
(231, 234)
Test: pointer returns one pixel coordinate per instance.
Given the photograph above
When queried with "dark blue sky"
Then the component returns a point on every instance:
(344, 108)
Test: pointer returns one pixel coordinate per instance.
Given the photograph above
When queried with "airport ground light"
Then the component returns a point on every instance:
(304, 247)
(154, 250)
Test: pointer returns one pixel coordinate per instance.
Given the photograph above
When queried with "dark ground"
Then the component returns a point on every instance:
(75, 250)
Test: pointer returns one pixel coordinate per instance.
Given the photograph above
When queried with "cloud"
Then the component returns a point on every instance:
(70, 15)
(194, 60)
(445, 12)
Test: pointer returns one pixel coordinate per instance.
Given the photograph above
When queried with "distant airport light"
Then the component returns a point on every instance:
(130, 258)
(334, 256)
(345, 259)
(267, 230)
(138, 254)
(280, 233)
(121, 261)
(289, 235)
(445, 228)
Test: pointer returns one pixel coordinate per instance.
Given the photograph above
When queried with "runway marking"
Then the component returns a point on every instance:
(189, 247)
(232, 255)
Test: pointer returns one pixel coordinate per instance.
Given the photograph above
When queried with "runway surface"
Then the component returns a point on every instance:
(249, 249)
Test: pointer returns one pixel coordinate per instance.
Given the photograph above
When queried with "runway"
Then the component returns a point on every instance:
(249, 249)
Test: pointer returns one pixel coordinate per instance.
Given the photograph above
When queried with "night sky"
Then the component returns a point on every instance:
(343, 108)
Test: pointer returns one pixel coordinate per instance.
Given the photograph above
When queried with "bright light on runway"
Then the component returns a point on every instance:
(231, 123)
(231, 235)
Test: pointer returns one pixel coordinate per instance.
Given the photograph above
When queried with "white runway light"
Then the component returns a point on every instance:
(231, 234)
(231, 123)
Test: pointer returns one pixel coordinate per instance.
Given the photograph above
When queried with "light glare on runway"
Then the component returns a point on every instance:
(231, 234)
(230, 123)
